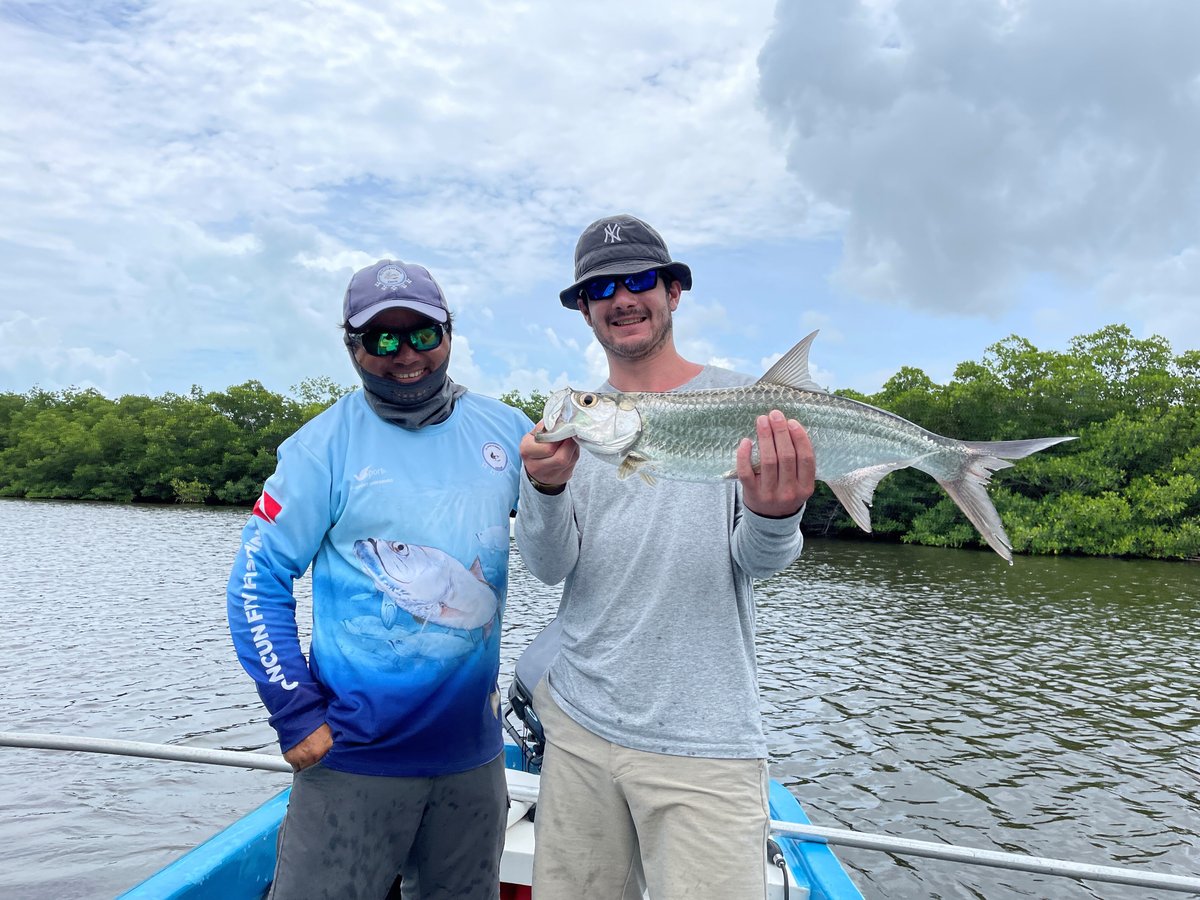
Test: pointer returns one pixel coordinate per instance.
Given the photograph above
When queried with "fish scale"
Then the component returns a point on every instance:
(694, 435)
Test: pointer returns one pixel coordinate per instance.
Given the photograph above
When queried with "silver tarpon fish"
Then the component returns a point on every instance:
(428, 583)
(694, 435)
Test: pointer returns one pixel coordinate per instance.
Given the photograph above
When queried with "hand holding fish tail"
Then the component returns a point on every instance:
(786, 467)
(551, 463)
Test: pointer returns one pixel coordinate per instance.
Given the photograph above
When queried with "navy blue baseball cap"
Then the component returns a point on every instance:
(392, 284)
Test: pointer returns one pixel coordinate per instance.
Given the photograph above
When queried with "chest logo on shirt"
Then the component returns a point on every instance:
(495, 456)
(371, 475)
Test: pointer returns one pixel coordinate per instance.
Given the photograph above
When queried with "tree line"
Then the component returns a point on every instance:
(203, 447)
(1130, 486)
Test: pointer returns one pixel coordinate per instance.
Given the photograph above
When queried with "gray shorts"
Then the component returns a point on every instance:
(348, 836)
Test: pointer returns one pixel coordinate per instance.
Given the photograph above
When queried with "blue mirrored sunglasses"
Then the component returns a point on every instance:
(605, 287)
(388, 341)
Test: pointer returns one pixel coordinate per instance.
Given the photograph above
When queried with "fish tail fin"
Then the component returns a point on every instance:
(968, 488)
(1013, 449)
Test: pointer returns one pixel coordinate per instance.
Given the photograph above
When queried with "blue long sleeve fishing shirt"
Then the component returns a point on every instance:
(407, 535)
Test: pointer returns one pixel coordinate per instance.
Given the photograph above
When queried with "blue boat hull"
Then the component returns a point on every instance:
(234, 864)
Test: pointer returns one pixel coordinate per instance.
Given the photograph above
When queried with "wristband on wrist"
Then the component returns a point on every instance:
(543, 488)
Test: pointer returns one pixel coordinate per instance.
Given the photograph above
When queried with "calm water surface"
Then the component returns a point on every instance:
(1049, 708)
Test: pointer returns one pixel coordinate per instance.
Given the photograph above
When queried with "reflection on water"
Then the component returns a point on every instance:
(1047, 708)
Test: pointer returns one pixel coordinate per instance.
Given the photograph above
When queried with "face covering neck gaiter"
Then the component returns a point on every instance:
(411, 406)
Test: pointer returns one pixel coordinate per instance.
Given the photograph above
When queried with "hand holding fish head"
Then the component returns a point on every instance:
(548, 464)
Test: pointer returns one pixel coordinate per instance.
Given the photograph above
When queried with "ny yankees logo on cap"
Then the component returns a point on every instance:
(621, 245)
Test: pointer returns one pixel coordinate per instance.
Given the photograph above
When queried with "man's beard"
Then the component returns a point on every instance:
(648, 346)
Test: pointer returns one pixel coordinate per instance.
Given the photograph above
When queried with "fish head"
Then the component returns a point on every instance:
(393, 565)
(607, 424)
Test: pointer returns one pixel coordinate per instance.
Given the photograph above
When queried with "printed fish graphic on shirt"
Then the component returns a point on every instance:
(431, 644)
(494, 539)
(428, 583)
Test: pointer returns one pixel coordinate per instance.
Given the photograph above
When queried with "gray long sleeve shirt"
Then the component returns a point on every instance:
(658, 607)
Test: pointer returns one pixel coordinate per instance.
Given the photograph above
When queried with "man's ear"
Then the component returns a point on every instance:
(674, 292)
(583, 308)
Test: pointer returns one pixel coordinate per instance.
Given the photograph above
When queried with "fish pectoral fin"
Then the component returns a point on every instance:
(387, 612)
(631, 464)
(856, 489)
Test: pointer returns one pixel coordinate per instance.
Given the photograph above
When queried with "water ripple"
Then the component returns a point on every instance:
(1048, 708)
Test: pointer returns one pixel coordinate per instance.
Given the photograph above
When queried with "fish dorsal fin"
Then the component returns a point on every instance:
(792, 369)
(477, 570)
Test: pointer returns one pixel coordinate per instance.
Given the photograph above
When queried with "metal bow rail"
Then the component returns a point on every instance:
(837, 836)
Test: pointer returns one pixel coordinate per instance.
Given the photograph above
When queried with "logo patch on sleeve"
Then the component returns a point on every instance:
(267, 508)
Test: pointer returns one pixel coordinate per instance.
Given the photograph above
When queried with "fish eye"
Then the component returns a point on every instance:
(587, 401)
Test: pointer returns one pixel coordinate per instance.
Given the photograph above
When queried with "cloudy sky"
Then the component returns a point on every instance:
(186, 186)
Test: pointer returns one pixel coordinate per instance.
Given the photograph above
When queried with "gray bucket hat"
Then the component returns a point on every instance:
(620, 245)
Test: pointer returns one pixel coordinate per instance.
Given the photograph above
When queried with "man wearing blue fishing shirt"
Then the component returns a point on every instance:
(399, 497)
(655, 763)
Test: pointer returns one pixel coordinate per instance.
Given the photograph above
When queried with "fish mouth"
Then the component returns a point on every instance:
(554, 418)
(561, 433)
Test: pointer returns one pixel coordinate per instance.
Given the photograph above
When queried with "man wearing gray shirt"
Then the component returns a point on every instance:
(655, 763)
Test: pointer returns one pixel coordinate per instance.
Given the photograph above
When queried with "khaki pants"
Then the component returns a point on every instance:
(696, 828)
